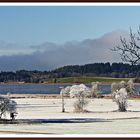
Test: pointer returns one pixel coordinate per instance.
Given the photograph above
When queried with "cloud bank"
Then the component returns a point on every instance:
(48, 56)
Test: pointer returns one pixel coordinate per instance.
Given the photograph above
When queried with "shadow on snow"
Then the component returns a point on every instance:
(68, 120)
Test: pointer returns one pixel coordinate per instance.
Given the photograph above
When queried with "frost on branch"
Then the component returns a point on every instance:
(80, 92)
(120, 97)
(65, 91)
(130, 87)
(95, 91)
(7, 106)
(120, 93)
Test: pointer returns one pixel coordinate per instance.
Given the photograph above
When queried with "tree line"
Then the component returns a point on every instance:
(115, 70)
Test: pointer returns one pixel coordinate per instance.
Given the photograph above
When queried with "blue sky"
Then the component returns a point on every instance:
(47, 37)
(34, 25)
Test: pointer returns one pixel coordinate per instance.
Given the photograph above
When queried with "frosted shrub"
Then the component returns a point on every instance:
(80, 104)
(80, 92)
(77, 90)
(65, 91)
(122, 84)
(120, 97)
(7, 106)
(114, 89)
(120, 93)
(95, 91)
(130, 87)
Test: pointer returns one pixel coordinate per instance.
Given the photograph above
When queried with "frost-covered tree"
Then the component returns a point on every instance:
(121, 92)
(114, 87)
(130, 87)
(80, 92)
(122, 84)
(63, 92)
(95, 90)
(7, 106)
(120, 97)
(76, 89)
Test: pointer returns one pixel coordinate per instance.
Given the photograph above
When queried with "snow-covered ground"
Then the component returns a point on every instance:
(102, 117)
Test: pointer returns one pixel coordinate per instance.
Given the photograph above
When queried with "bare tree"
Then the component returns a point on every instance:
(129, 50)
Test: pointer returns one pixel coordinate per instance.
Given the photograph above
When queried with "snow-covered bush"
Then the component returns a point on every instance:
(76, 91)
(122, 84)
(65, 91)
(80, 92)
(120, 97)
(7, 106)
(120, 93)
(130, 87)
(114, 89)
(95, 91)
(80, 104)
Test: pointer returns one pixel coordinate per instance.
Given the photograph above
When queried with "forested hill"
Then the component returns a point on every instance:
(115, 70)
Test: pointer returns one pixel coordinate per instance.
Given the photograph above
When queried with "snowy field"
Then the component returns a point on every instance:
(102, 118)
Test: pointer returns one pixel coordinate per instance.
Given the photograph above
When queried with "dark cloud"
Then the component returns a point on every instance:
(49, 55)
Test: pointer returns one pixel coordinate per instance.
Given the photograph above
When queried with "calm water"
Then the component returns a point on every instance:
(44, 89)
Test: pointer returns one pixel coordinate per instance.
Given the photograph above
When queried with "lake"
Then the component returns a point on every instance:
(44, 89)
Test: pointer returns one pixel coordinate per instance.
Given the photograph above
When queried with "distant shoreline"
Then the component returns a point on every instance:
(71, 80)
(16, 83)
